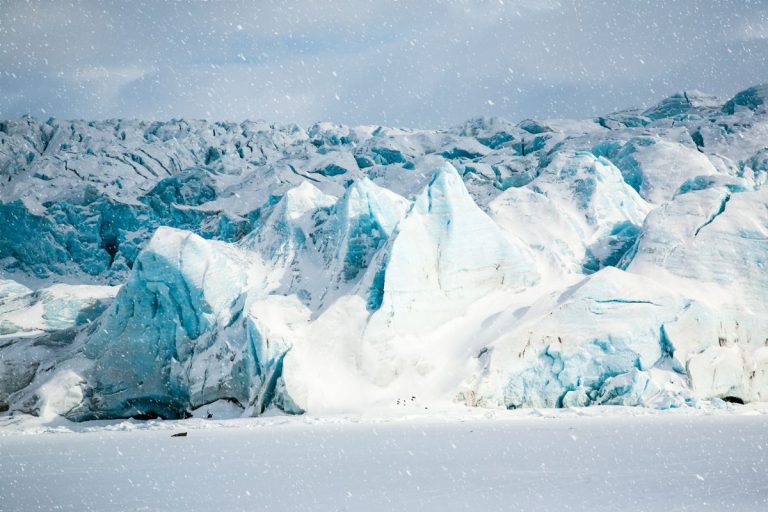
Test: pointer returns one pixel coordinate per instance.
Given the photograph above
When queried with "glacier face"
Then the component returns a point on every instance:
(150, 269)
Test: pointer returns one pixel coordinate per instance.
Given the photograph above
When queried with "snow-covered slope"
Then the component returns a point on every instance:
(620, 260)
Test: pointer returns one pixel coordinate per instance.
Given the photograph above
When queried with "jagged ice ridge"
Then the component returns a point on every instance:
(161, 269)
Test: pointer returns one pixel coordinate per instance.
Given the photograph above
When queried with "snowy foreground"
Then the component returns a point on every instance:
(593, 459)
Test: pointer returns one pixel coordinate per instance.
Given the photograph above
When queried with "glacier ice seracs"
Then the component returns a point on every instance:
(151, 269)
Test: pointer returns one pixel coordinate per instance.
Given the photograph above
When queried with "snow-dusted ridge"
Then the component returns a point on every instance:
(153, 269)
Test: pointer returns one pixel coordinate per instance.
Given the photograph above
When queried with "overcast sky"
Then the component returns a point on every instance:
(406, 63)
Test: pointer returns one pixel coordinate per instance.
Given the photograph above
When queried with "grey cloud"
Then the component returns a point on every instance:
(367, 62)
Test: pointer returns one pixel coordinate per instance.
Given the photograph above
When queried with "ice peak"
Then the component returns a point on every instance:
(434, 256)
(362, 188)
(364, 197)
(303, 198)
(446, 171)
(445, 192)
(750, 99)
(682, 103)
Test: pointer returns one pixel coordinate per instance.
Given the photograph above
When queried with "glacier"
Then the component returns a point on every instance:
(155, 269)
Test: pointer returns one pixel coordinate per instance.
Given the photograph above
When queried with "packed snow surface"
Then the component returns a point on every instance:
(154, 269)
(516, 460)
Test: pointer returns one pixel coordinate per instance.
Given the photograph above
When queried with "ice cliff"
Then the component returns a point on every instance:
(153, 269)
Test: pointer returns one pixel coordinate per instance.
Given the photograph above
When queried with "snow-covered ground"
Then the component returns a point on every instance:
(599, 458)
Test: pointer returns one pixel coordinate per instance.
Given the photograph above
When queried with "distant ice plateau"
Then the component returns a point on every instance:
(167, 268)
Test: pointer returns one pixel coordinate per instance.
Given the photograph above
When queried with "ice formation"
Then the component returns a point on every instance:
(152, 269)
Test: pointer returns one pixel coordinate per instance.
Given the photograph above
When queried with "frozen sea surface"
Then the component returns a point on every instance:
(530, 461)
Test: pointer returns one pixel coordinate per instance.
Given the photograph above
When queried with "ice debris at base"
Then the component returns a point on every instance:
(553, 263)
